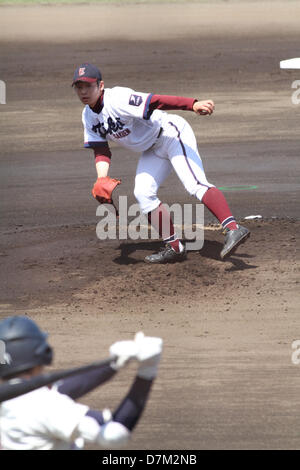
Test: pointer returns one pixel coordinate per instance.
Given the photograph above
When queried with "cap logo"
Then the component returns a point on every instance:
(81, 71)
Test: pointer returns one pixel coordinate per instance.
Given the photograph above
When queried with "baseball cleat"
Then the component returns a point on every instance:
(234, 238)
(166, 255)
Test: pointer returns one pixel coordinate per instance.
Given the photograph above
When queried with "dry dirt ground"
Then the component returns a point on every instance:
(226, 380)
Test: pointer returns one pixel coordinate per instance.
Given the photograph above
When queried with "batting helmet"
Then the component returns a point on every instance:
(25, 346)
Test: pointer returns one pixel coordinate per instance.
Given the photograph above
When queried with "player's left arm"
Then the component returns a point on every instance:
(79, 385)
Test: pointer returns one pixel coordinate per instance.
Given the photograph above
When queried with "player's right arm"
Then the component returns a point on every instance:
(102, 160)
(102, 169)
(95, 138)
(116, 429)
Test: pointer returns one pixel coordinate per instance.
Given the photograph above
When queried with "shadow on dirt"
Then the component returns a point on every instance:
(129, 248)
(210, 250)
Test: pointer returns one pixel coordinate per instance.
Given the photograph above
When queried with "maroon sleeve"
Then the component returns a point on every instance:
(168, 102)
(102, 153)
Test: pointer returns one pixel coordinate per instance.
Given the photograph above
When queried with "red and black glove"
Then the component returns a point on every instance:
(103, 188)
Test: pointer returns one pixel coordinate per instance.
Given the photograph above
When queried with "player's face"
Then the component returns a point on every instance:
(88, 93)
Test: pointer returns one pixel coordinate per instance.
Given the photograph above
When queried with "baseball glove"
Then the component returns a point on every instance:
(103, 188)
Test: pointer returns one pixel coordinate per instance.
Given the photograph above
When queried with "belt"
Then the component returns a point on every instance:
(157, 137)
(160, 133)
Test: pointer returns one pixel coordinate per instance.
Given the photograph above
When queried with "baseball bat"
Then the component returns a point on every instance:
(14, 389)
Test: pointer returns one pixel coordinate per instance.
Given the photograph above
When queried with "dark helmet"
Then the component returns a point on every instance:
(25, 346)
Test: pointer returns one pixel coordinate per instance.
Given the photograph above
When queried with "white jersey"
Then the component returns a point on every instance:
(125, 119)
(40, 420)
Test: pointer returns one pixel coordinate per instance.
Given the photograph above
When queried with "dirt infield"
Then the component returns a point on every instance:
(226, 380)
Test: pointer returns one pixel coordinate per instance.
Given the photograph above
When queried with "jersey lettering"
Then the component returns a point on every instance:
(113, 128)
(123, 118)
(121, 134)
(100, 130)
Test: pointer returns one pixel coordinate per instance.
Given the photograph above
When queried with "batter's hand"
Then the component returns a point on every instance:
(204, 107)
(144, 349)
(103, 188)
(122, 352)
(148, 355)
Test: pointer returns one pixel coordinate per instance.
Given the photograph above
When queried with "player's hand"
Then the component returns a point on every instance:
(148, 355)
(145, 349)
(204, 107)
(103, 188)
(122, 352)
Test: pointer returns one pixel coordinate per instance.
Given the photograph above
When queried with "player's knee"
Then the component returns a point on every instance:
(202, 190)
(148, 203)
(198, 190)
(146, 197)
(138, 193)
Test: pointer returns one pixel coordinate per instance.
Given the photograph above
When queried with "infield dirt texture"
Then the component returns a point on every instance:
(226, 380)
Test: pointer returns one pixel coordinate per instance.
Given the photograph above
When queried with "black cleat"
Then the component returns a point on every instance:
(166, 255)
(234, 238)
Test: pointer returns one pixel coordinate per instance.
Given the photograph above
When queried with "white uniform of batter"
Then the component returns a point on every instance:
(48, 420)
(166, 141)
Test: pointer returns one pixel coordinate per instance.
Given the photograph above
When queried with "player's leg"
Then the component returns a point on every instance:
(186, 161)
(151, 172)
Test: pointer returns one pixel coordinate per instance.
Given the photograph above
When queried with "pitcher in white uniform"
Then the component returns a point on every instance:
(138, 122)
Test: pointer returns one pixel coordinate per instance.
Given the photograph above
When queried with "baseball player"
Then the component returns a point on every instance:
(138, 122)
(48, 418)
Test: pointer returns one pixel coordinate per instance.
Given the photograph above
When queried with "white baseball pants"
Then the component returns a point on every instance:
(175, 149)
